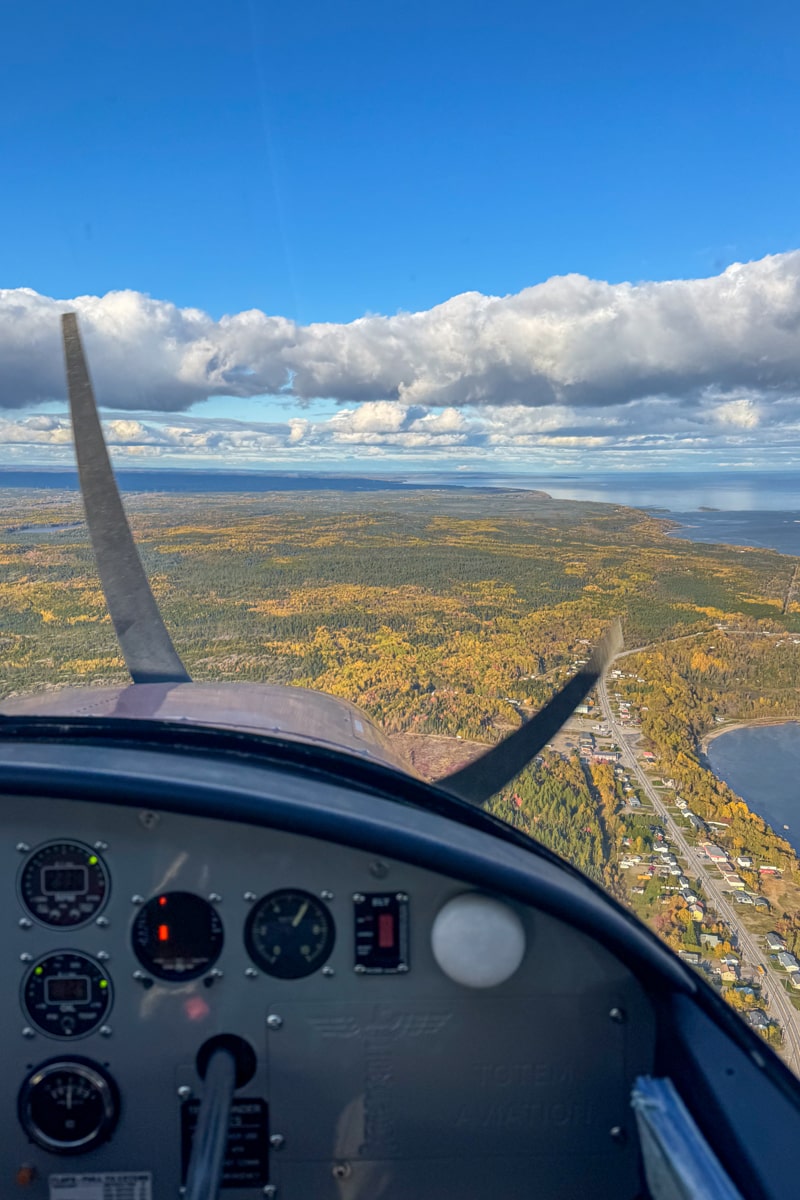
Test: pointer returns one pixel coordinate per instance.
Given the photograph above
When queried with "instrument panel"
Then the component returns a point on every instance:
(404, 1034)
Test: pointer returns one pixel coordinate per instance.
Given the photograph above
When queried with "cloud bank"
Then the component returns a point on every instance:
(570, 362)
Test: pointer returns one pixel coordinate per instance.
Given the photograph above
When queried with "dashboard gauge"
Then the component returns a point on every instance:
(177, 936)
(66, 994)
(68, 1105)
(289, 934)
(64, 884)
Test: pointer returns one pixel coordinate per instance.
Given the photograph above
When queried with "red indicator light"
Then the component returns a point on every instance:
(385, 931)
(163, 933)
(162, 900)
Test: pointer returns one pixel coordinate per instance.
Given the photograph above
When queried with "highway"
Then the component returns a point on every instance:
(780, 1005)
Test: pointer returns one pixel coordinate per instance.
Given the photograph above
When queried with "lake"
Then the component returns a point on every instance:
(762, 765)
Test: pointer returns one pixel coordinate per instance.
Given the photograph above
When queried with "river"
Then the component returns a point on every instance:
(762, 765)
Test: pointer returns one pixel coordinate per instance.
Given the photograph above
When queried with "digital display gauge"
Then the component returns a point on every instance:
(68, 1106)
(64, 884)
(289, 934)
(67, 994)
(177, 936)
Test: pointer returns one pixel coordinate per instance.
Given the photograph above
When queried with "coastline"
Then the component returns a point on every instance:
(709, 736)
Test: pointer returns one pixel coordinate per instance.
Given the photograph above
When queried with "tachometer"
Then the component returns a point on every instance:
(177, 936)
(68, 1105)
(64, 884)
(289, 934)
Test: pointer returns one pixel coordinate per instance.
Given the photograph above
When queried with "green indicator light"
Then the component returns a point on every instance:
(39, 971)
(93, 860)
(103, 983)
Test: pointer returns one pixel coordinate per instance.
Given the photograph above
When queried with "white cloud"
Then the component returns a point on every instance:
(570, 342)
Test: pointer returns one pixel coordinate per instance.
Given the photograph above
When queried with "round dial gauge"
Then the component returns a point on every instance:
(66, 994)
(177, 936)
(68, 1105)
(64, 884)
(289, 934)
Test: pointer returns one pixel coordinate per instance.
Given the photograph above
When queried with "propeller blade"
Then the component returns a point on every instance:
(147, 647)
(484, 776)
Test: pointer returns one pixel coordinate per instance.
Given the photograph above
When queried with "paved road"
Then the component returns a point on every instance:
(779, 1003)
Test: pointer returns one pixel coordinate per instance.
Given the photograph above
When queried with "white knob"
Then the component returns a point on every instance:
(478, 941)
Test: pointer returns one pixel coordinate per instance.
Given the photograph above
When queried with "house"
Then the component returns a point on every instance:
(767, 869)
(794, 981)
(635, 802)
(727, 973)
(787, 961)
(609, 756)
(758, 1019)
(710, 940)
(713, 852)
(637, 891)
(681, 803)
(648, 756)
(689, 956)
(734, 881)
(744, 860)
(761, 902)
(697, 911)
(774, 941)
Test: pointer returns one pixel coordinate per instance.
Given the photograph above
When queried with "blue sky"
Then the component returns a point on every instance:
(323, 162)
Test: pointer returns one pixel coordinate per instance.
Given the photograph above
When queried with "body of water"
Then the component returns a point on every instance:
(766, 529)
(762, 765)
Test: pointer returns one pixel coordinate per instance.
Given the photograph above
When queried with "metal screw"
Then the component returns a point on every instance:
(359, 969)
(251, 973)
(25, 957)
(378, 869)
(101, 845)
(277, 1141)
(27, 1032)
(269, 1189)
(24, 923)
(328, 971)
(105, 1031)
(137, 899)
(215, 973)
(618, 1015)
(326, 894)
(102, 922)
(148, 819)
(103, 955)
(184, 1091)
(342, 1170)
(23, 847)
(274, 1021)
(402, 968)
(214, 897)
(617, 1133)
(358, 898)
(402, 897)
(249, 897)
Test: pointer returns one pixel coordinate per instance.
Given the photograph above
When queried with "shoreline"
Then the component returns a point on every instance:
(707, 738)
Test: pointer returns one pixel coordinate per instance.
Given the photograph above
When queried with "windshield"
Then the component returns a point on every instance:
(429, 342)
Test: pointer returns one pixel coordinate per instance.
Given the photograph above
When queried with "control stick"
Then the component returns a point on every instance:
(211, 1135)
